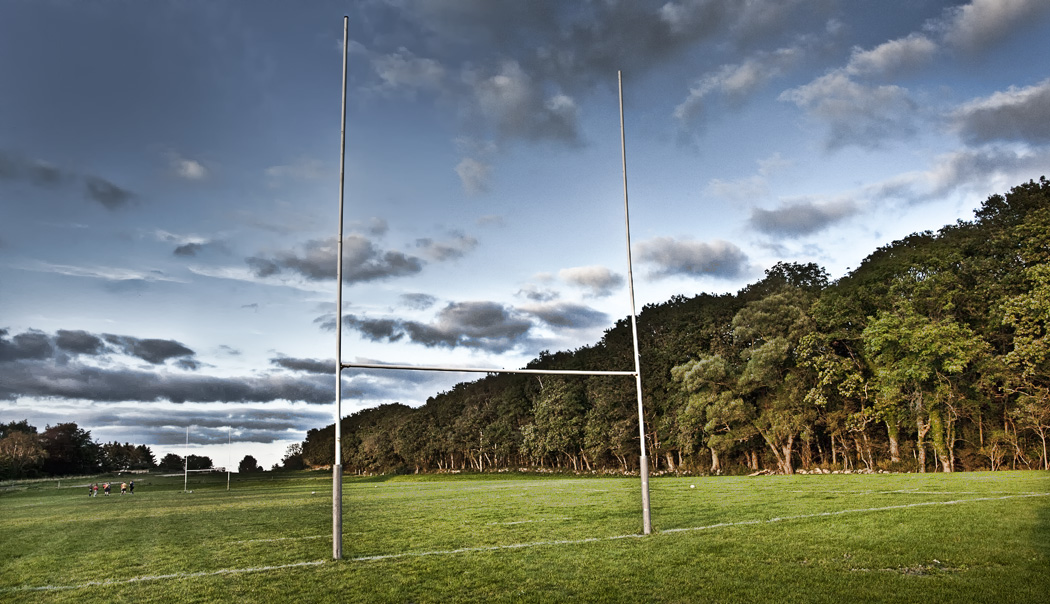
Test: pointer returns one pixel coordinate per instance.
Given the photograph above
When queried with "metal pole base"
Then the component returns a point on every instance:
(337, 512)
(647, 521)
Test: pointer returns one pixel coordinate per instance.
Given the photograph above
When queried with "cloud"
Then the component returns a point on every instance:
(186, 168)
(105, 273)
(417, 301)
(567, 314)
(362, 261)
(516, 106)
(15, 168)
(856, 114)
(673, 257)
(106, 193)
(982, 23)
(36, 365)
(76, 381)
(79, 342)
(893, 57)
(598, 280)
(487, 326)
(303, 169)
(457, 247)
(37, 345)
(27, 345)
(737, 82)
(188, 249)
(402, 70)
(474, 175)
(980, 171)
(1017, 114)
(318, 366)
(537, 293)
(151, 350)
(802, 217)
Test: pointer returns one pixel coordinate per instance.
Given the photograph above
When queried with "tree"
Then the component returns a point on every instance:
(198, 462)
(171, 461)
(19, 451)
(919, 360)
(12, 427)
(293, 457)
(248, 464)
(70, 450)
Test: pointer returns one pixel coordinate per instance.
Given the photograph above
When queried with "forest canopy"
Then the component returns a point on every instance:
(932, 355)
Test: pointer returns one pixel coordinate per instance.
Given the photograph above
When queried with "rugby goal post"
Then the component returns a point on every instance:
(337, 466)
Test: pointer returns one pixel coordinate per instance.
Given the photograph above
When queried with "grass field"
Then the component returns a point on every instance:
(976, 537)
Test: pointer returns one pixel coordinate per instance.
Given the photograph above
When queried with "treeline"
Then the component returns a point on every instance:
(64, 450)
(932, 355)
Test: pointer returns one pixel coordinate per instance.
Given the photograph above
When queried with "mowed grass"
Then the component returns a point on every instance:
(978, 537)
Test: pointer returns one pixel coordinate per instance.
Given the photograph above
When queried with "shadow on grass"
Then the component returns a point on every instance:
(1041, 534)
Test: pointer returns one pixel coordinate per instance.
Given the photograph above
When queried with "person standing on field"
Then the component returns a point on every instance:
(131, 486)
(123, 488)
(94, 490)
(105, 488)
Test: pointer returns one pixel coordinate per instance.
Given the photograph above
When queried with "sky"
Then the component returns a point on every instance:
(169, 184)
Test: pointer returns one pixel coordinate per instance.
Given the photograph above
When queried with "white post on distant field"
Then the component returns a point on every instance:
(337, 465)
(647, 523)
(229, 454)
(186, 463)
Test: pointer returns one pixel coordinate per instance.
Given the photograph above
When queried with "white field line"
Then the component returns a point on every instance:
(281, 539)
(490, 548)
(529, 521)
(110, 582)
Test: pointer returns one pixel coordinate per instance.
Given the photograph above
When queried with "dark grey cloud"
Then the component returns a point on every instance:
(37, 345)
(75, 381)
(151, 350)
(1017, 114)
(305, 365)
(79, 342)
(377, 330)
(188, 249)
(689, 258)
(485, 325)
(16, 168)
(155, 425)
(31, 344)
(548, 52)
(537, 293)
(802, 217)
(362, 261)
(106, 193)
(568, 314)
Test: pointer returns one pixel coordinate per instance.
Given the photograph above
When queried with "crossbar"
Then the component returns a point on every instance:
(482, 370)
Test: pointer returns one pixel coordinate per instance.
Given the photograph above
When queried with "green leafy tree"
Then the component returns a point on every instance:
(919, 361)
(248, 465)
(70, 450)
(171, 462)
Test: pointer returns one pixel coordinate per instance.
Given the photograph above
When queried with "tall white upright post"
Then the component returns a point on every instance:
(647, 523)
(337, 465)
(229, 454)
(186, 463)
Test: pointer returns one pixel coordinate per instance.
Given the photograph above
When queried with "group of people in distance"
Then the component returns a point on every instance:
(124, 488)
